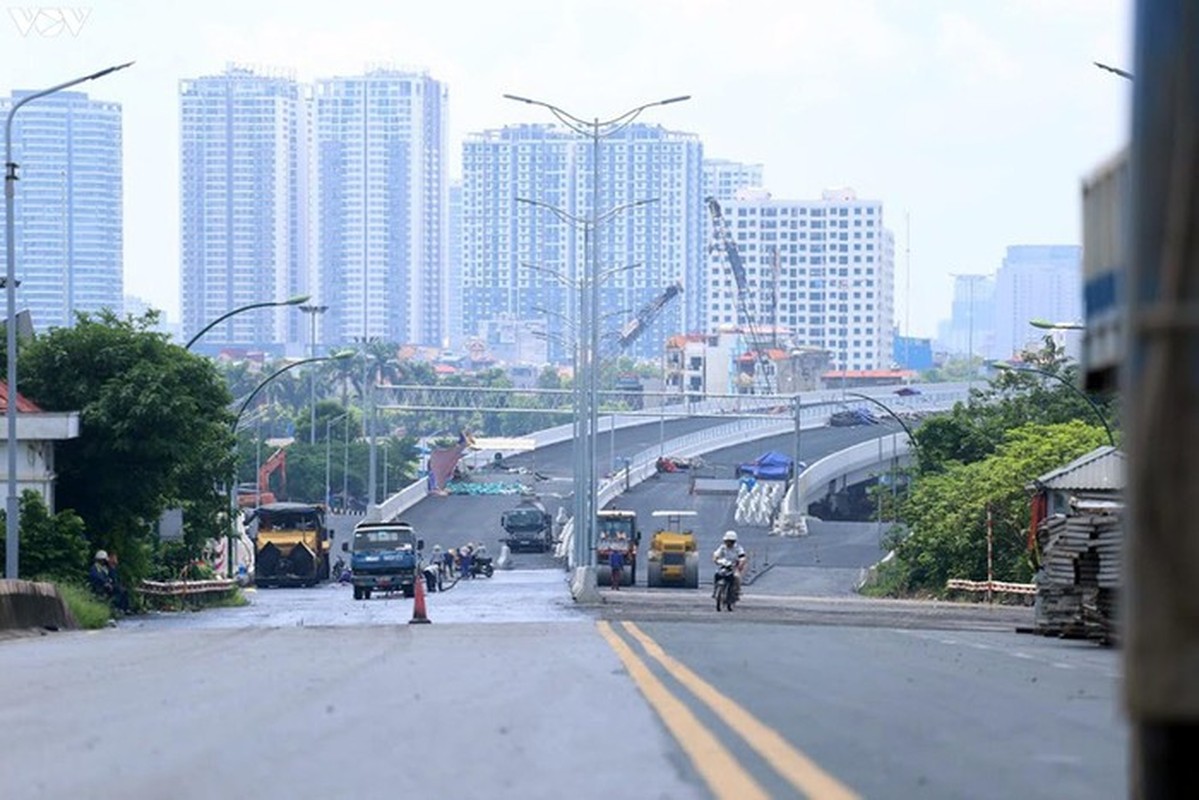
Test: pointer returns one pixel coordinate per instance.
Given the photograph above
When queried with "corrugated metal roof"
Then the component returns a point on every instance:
(1101, 469)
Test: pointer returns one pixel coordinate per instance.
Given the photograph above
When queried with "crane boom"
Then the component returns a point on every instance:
(737, 266)
(633, 329)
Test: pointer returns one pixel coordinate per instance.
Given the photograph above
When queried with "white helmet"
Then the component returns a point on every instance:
(730, 536)
(101, 555)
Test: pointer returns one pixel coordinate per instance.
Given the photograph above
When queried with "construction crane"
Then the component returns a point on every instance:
(636, 326)
(737, 266)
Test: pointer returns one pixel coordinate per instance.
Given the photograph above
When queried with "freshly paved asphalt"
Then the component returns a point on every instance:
(515, 692)
(454, 520)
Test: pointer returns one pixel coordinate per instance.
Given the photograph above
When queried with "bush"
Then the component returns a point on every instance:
(52, 546)
(89, 611)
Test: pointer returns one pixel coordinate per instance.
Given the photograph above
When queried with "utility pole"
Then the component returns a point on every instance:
(1160, 385)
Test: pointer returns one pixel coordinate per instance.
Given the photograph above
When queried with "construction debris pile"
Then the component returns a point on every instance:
(1079, 578)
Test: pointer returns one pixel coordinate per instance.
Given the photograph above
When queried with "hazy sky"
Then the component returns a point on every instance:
(977, 117)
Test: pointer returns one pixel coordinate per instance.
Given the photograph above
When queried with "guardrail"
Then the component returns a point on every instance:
(961, 585)
(813, 413)
(185, 588)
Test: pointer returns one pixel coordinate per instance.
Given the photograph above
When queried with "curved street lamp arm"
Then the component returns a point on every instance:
(1111, 439)
(607, 215)
(553, 109)
(553, 273)
(65, 85)
(562, 215)
(246, 403)
(291, 301)
(890, 413)
(595, 128)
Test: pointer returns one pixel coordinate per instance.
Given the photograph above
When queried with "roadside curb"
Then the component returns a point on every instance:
(748, 580)
(30, 604)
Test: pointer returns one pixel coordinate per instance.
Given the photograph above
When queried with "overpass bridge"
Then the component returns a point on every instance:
(723, 437)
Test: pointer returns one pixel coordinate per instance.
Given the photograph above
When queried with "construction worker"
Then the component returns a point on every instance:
(616, 560)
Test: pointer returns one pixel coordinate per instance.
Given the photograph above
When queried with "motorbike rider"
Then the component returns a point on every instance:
(730, 551)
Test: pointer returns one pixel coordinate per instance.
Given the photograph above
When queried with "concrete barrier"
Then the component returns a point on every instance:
(26, 604)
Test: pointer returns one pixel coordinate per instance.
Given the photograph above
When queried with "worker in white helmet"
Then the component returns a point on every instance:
(732, 552)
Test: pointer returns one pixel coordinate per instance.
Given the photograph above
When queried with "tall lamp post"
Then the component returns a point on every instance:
(12, 522)
(1095, 408)
(328, 453)
(595, 129)
(312, 310)
(585, 445)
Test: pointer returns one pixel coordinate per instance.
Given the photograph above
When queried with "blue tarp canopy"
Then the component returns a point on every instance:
(770, 466)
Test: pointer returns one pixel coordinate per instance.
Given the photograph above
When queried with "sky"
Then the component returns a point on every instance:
(973, 121)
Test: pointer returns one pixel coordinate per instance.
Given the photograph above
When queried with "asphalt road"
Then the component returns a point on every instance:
(847, 547)
(454, 520)
(515, 692)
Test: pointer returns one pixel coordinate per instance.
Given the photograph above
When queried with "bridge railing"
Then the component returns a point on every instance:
(815, 408)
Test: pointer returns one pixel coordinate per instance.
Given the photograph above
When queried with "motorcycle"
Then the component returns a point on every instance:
(481, 565)
(340, 572)
(726, 585)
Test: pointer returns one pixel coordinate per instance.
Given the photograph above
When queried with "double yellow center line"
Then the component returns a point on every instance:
(715, 764)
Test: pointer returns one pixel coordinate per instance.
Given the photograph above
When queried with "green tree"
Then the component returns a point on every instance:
(946, 510)
(154, 430)
(53, 546)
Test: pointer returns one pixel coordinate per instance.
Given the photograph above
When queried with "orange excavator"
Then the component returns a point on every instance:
(250, 496)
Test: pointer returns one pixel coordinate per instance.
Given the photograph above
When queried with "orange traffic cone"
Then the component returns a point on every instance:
(419, 616)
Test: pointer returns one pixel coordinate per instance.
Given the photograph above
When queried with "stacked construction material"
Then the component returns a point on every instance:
(1080, 571)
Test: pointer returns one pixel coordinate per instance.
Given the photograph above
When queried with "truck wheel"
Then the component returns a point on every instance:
(410, 590)
(626, 577)
(357, 593)
(603, 576)
(691, 572)
(366, 593)
(653, 575)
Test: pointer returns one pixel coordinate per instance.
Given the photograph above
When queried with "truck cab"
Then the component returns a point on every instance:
(384, 556)
(617, 531)
(528, 527)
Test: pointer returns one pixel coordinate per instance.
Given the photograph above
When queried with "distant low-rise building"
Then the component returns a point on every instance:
(37, 431)
(698, 364)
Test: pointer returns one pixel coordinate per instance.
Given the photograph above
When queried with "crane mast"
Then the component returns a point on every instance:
(636, 326)
(737, 266)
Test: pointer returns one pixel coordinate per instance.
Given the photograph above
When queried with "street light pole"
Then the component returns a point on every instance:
(12, 507)
(312, 311)
(328, 452)
(595, 129)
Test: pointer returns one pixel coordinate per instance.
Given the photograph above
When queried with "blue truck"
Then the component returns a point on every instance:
(385, 557)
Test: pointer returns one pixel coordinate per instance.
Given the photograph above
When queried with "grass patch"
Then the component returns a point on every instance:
(89, 611)
(234, 599)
